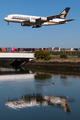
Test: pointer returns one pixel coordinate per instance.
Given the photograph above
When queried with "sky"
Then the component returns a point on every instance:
(63, 36)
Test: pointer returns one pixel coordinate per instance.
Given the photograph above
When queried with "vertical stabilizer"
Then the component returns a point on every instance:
(65, 13)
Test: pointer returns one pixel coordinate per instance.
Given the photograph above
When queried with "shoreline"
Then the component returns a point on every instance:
(48, 66)
(54, 67)
(55, 63)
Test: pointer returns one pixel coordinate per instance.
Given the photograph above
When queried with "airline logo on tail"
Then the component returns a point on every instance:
(64, 13)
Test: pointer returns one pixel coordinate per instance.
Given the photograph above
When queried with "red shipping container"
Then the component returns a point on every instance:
(3, 49)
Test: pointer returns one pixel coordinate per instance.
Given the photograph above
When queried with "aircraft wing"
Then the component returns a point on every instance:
(52, 17)
(62, 22)
(41, 20)
(46, 19)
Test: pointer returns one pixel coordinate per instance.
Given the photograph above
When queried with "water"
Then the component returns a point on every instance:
(38, 96)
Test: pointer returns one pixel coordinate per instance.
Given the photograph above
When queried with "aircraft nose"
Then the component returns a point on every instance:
(5, 18)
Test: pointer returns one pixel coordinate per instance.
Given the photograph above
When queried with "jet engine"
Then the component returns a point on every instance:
(32, 20)
(44, 18)
(24, 24)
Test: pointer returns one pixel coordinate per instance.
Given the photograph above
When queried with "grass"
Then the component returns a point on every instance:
(58, 59)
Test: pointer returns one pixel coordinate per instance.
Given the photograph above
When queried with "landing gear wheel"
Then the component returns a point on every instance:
(8, 23)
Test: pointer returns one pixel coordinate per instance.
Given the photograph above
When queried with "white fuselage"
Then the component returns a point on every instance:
(30, 20)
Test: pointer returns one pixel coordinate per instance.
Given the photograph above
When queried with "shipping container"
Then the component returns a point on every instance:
(16, 50)
(29, 49)
(37, 49)
(76, 49)
(24, 49)
(50, 48)
(12, 49)
(69, 49)
(8, 49)
(62, 49)
(33, 49)
(46, 49)
(20, 49)
(57, 49)
(3, 49)
(0, 50)
(40, 48)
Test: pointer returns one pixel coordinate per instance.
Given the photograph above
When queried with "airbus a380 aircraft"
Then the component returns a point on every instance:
(36, 21)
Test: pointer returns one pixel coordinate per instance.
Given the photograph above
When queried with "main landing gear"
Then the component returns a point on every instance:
(36, 26)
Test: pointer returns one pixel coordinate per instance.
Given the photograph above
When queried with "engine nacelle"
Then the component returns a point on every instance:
(44, 18)
(24, 24)
(32, 20)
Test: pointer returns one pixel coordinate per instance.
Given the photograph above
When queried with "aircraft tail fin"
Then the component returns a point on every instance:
(64, 13)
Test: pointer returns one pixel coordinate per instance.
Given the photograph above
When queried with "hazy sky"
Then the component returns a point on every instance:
(15, 35)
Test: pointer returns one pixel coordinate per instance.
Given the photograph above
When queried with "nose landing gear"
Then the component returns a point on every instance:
(8, 23)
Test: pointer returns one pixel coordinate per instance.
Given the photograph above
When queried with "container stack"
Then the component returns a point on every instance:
(20, 49)
(24, 49)
(8, 49)
(3, 49)
(34, 49)
(16, 50)
(0, 50)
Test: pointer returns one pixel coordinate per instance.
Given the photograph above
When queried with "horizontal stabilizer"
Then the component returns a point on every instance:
(62, 22)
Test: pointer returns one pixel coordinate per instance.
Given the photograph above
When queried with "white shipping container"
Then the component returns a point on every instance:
(50, 48)
(57, 49)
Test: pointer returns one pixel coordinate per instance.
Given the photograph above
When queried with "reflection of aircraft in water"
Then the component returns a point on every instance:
(16, 78)
(38, 100)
